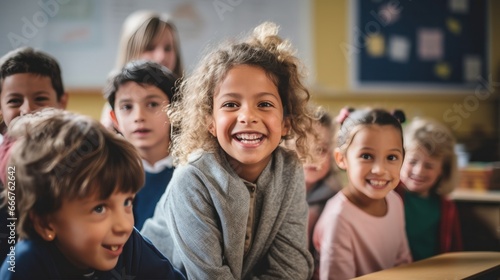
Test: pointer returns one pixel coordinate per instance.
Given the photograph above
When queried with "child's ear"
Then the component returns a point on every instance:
(43, 227)
(285, 126)
(63, 101)
(339, 158)
(211, 126)
(113, 119)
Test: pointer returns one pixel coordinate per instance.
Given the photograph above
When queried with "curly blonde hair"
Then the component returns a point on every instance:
(61, 155)
(438, 141)
(190, 116)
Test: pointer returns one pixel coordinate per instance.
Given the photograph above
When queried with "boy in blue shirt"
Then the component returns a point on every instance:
(71, 183)
(138, 96)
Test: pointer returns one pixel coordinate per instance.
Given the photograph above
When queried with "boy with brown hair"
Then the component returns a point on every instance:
(29, 79)
(72, 183)
(138, 95)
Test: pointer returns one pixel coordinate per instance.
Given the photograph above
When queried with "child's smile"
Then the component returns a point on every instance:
(420, 171)
(377, 184)
(91, 232)
(373, 160)
(248, 119)
(249, 139)
(114, 250)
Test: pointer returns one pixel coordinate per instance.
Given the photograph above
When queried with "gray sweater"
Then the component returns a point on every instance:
(204, 213)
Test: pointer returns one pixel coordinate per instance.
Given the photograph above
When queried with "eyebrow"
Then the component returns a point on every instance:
(372, 149)
(148, 97)
(239, 95)
(396, 150)
(20, 94)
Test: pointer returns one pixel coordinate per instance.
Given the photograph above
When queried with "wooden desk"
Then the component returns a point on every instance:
(490, 196)
(460, 265)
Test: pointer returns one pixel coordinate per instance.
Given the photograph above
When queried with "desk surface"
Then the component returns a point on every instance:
(478, 196)
(457, 265)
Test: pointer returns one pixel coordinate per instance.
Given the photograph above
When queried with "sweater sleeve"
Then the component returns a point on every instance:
(28, 262)
(194, 225)
(288, 256)
(450, 231)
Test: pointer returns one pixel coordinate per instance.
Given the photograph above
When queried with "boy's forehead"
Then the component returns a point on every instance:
(96, 194)
(27, 83)
(134, 90)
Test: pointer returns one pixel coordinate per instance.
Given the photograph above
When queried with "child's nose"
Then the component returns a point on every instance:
(159, 55)
(247, 115)
(138, 114)
(418, 168)
(27, 107)
(123, 223)
(378, 168)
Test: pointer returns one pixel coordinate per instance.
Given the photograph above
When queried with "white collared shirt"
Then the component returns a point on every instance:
(158, 166)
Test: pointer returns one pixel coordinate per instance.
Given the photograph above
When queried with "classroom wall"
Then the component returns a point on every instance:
(86, 101)
(332, 88)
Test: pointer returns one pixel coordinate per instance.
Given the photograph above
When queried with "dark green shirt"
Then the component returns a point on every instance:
(422, 216)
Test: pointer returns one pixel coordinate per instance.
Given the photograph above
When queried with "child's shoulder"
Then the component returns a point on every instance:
(287, 157)
(338, 204)
(143, 260)
(28, 259)
(394, 202)
(137, 245)
(202, 164)
(394, 197)
(204, 160)
(287, 154)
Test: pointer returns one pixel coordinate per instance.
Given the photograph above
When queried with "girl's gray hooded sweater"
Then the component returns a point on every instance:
(204, 212)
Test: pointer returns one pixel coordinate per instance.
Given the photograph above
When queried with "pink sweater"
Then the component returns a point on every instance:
(352, 243)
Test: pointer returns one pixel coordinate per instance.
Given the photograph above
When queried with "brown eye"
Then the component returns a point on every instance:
(392, 157)
(99, 209)
(366, 156)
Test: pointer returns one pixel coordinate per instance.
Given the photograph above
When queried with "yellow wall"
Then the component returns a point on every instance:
(332, 88)
(86, 101)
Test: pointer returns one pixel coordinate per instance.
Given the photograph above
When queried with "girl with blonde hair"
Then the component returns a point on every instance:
(151, 36)
(429, 173)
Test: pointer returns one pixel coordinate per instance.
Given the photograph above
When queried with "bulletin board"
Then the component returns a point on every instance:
(424, 44)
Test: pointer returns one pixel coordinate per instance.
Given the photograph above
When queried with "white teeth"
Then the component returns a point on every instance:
(377, 183)
(114, 248)
(249, 138)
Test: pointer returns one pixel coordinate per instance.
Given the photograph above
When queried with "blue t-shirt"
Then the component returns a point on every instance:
(148, 196)
(38, 259)
(5, 232)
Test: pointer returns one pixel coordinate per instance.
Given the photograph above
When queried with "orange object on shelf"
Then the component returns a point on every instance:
(480, 176)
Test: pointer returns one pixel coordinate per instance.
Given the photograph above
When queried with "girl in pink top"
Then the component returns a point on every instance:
(362, 228)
